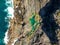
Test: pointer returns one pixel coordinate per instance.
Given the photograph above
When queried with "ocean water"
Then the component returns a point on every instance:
(6, 12)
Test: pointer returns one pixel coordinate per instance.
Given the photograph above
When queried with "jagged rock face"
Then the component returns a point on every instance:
(25, 27)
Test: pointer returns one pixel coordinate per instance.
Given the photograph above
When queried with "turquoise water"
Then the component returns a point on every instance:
(3, 23)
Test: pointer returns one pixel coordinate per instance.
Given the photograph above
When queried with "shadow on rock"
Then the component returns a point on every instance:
(49, 25)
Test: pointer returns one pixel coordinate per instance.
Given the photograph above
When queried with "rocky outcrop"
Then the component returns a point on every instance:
(25, 27)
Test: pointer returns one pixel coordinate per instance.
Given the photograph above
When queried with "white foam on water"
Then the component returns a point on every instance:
(10, 14)
(6, 37)
(9, 3)
(8, 25)
(9, 9)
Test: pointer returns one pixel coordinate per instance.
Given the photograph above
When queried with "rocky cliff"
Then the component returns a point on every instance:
(34, 23)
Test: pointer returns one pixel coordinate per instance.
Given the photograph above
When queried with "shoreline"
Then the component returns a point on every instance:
(6, 37)
(10, 15)
(9, 9)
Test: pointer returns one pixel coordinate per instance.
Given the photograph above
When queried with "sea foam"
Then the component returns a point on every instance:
(9, 9)
(6, 37)
(10, 14)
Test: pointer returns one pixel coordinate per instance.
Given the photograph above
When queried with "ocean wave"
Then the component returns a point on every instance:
(9, 9)
(10, 14)
(6, 37)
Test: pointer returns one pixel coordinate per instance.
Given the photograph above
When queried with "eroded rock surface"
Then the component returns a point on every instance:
(26, 25)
